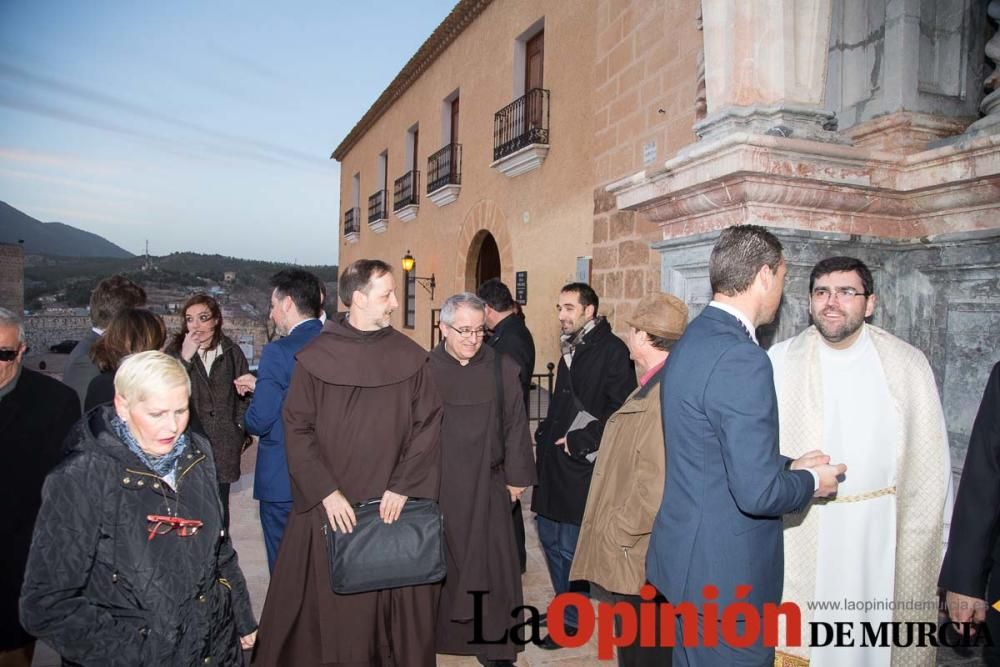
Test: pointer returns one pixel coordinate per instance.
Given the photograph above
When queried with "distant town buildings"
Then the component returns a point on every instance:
(49, 328)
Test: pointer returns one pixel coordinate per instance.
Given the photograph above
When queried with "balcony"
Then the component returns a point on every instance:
(444, 175)
(352, 225)
(521, 134)
(406, 195)
(377, 217)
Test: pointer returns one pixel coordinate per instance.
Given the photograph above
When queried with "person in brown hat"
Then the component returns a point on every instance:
(627, 485)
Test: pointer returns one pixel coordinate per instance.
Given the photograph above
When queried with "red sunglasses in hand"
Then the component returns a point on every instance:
(161, 525)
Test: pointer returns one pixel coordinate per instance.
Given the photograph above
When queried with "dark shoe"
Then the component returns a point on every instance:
(549, 644)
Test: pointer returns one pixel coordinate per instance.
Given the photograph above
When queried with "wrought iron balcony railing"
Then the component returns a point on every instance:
(444, 167)
(523, 122)
(352, 221)
(376, 206)
(406, 190)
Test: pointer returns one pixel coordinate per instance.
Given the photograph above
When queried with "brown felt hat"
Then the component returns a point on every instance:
(661, 315)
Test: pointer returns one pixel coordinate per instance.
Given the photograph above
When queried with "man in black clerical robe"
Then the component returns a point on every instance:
(486, 463)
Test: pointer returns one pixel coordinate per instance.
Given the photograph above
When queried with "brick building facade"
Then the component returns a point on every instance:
(11, 277)
(858, 128)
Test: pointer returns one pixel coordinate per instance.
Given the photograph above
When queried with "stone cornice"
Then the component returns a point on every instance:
(749, 177)
(464, 13)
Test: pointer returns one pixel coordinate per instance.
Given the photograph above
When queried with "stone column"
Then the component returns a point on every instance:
(765, 68)
(904, 74)
(990, 106)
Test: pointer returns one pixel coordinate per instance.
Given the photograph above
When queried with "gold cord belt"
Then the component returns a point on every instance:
(887, 491)
(782, 659)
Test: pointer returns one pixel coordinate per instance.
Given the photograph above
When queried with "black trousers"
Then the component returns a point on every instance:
(635, 655)
(991, 654)
(224, 497)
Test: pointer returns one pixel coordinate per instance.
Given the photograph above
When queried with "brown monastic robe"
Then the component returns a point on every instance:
(362, 415)
(476, 466)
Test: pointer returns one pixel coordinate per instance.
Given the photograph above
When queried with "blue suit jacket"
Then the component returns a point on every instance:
(727, 486)
(263, 417)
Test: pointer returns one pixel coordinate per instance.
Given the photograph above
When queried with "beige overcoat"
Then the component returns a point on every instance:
(625, 495)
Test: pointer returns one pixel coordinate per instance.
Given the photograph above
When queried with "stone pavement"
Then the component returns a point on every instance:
(249, 542)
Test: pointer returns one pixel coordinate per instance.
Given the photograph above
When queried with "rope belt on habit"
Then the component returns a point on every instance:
(782, 659)
(887, 491)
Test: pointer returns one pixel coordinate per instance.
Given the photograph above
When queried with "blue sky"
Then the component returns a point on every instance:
(201, 126)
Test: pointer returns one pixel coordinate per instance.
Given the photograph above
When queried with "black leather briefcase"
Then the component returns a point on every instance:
(376, 555)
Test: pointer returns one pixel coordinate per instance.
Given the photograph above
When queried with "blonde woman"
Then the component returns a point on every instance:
(129, 564)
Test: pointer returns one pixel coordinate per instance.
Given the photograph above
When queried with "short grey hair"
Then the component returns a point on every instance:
(460, 300)
(11, 319)
(145, 374)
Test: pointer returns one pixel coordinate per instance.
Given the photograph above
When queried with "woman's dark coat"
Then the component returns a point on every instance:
(101, 390)
(219, 408)
(100, 592)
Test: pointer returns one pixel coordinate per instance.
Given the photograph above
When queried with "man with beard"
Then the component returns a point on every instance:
(486, 464)
(362, 421)
(868, 399)
(595, 377)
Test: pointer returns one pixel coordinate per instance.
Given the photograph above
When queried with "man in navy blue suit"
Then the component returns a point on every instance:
(727, 486)
(295, 305)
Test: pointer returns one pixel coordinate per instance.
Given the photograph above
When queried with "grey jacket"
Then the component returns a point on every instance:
(80, 368)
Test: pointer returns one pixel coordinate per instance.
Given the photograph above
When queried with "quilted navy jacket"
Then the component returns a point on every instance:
(101, 592)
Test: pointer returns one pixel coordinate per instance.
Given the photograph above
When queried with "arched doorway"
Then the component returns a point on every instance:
(487, 260)
(483, 250)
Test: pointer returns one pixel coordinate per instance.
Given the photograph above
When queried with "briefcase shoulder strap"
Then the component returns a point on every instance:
(501, 404)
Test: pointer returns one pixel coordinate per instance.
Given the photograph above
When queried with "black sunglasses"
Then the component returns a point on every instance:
(8, 355)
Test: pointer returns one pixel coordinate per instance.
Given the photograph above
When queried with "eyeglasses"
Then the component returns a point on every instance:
(824, 293)
(465, 332)
(9, 355)
(161, 525)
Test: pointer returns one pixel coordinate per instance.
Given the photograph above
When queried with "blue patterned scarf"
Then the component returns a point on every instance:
(161, 465)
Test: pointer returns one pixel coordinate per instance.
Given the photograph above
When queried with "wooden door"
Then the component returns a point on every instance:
(533, 70)
(416, 144)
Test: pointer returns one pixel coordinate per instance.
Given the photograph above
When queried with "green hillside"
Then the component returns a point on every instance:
(45, 275)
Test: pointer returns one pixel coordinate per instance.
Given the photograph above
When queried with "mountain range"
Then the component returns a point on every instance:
(53, 238)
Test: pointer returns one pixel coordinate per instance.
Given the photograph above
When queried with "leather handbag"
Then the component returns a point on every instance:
(377, 555)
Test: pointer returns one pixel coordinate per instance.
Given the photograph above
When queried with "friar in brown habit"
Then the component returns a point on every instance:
(362, 420)
(483, 471)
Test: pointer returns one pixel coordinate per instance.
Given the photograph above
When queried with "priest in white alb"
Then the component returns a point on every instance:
(867, 399)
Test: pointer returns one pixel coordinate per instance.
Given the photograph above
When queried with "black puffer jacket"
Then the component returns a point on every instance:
(602, 376)
(101, 592)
